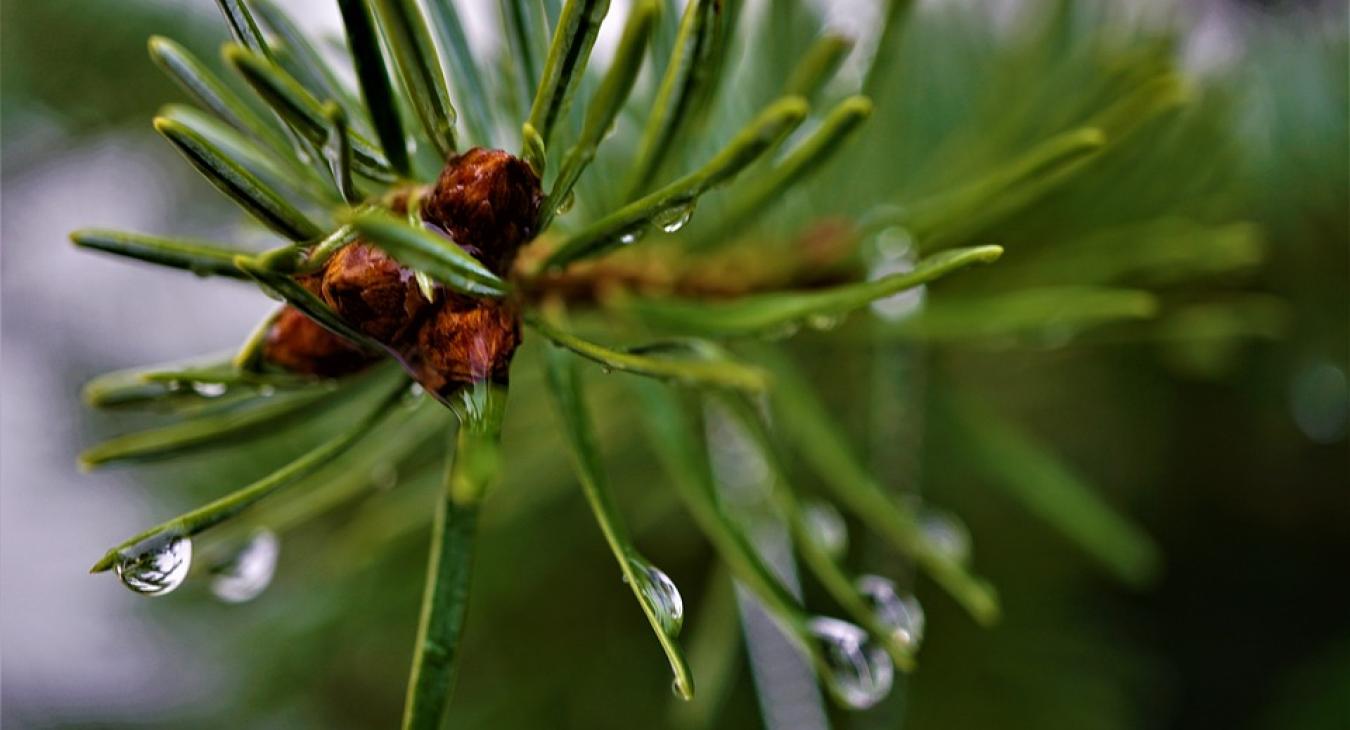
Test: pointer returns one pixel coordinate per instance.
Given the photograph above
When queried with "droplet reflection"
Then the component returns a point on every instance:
(860, 673)
(246, 575)
(946, 533)
(156, 565)
(674, 218)
(827, 527)
(661, 593)
(902, 615)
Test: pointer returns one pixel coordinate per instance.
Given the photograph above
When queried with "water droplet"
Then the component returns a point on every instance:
(946, 533)
(209, 390)
(859, 671)
(246, 575)
(675, 217)
(157, 565)
(902, 304)
(413, 395)
(660, 591)
(894, 243)
(902, 615)
(632, 235)
(267, 391)
(566, 203)
(824, 322)
(827, 527)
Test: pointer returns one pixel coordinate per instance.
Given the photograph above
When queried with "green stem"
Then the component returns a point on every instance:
(633, 219)
(249, 359)
(419, 67)
(445, 603)
(718, 373)
(230, 505)
(566, 62)
(377, 91)
(565, 385)
(200, 257)
(198, 433)
(675, 426)
(211, 92)
(759, 313)
(818, 65)
(605, 105)
(805, 159)
(473, 469)
(672, 107)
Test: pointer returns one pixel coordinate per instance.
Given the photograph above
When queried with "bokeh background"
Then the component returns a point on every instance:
(1233, 456)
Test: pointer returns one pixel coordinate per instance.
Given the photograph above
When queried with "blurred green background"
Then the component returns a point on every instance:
(1226, 441)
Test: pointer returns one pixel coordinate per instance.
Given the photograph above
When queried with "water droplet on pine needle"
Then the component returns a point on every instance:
(209, 390)
(674, 218)
(859, 671)
(946, 533)
(901, 614)
(566, 203)
(632, 235)
(824, 322)
(827, 527)
(660, 591)
(248, 573)
(155, 566)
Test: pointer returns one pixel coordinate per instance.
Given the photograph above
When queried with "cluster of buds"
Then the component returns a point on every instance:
(487, 202)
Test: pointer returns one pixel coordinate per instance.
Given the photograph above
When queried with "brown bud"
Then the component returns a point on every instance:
(467, 340)
(372, 292)
(296, 343)
(488, 201)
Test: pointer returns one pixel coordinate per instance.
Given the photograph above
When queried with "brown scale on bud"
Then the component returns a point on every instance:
(488, 202)
(467, 341)
(373, 292)
(299, 345)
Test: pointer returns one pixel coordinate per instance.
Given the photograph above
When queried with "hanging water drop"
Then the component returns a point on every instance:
(565, 204)
(157, 565)
(661, 593)
(632, 235)
(209, 390)
(675, 217)
(946, 534)
(247, 574)
(859, 672)
(827, 527)
(902, 615)
(824, 322)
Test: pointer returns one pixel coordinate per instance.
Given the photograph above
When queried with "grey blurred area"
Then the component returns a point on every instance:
(71, 648)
